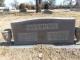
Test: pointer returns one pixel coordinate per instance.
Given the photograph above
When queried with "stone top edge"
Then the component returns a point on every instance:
(57, 18)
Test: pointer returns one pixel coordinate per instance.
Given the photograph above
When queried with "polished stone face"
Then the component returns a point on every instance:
(44, 31)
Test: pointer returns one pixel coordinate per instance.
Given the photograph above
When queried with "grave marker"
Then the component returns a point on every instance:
(44, 31)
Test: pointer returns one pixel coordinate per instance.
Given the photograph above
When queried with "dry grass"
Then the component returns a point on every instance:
(47, 53)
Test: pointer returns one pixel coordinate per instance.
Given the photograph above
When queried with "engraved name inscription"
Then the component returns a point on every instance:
(45, 26)
(58, 35)
(32, 36)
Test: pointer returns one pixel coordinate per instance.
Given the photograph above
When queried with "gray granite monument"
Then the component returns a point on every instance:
(44, 31)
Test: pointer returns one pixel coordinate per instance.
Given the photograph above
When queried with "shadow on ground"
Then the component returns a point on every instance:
(12, 44)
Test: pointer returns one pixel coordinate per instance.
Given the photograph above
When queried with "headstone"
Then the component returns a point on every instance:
(44, 31)
(47, 11)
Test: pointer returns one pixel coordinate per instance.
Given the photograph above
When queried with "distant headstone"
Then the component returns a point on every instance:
(6, 11)
(23, 10)
(44, 31)
(47, 11)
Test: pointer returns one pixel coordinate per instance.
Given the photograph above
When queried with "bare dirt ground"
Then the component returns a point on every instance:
(37, 53)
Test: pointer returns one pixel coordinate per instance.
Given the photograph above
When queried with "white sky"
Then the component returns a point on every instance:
(24, 1)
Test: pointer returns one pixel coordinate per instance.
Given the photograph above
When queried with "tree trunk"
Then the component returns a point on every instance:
(38, 6)
(71, 5)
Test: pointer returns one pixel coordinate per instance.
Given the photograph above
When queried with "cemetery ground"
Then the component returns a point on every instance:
(38, 52)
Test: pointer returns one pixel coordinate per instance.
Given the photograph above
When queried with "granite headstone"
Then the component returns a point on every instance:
(44, 31)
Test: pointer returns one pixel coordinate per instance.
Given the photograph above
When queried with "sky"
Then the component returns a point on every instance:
(23, 1)
(8, 2)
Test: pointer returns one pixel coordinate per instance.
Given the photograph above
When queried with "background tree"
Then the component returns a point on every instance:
(77, 4)
(52, 3)
(1, 2)
(22, 7)
(14, 4)
(45, 5)
(38, 5)
(67, 3)
(70, 4)
(31, 4)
